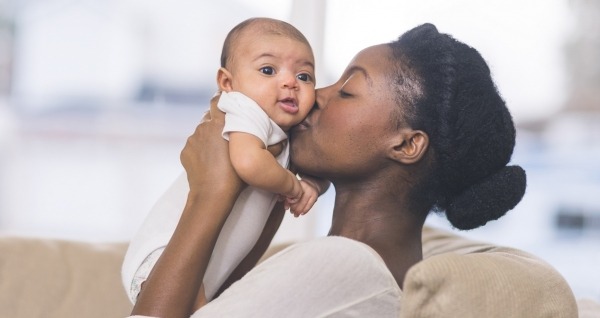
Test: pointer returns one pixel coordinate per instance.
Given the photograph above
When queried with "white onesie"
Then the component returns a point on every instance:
(241, 229)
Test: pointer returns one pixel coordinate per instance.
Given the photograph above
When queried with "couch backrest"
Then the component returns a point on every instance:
(458, 278)
(53, 278)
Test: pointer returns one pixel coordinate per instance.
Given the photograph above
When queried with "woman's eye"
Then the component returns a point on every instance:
(267, 70)
(304, 77)
(343, 94)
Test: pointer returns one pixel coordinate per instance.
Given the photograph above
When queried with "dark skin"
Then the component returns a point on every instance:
(200, 225)
(348, 139)
(372, 179)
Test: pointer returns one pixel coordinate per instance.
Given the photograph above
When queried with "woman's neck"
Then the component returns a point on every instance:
(369, 210)
(382, 220)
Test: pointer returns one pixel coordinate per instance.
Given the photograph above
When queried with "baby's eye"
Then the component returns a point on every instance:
(267, 70)
(305, 77)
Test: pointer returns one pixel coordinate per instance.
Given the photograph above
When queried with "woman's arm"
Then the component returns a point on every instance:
(259, 249)
(172, 287)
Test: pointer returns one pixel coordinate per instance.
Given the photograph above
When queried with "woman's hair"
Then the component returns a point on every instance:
(447, 91)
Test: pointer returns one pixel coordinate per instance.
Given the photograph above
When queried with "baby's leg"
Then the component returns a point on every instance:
(240, 233)
(142, 273)
(238, 236)
(150, 240)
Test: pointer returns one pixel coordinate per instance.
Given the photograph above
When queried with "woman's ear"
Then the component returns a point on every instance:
(224, 79)
(409, 146)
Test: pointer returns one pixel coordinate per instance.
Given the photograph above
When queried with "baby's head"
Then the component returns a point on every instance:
(271, 62)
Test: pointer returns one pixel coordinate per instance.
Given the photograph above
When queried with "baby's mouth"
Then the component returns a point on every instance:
(289, 105)
(289, 101)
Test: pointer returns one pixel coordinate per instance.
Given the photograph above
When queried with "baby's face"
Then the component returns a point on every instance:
(276, 72)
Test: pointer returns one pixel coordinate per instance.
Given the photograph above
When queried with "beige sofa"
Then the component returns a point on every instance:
(458, 278)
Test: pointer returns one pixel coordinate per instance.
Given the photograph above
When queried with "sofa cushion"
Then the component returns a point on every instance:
(54, 278)
(465, 278)
(588, 308)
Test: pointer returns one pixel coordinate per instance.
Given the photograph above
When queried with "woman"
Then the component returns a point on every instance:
(411, 126)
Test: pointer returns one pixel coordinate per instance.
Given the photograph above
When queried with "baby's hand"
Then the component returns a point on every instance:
(294, 194)
(300, 206)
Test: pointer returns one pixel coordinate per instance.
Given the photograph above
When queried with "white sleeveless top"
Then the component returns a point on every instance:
(326, 277)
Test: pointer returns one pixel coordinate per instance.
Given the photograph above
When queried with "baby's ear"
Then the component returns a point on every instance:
(224, 79)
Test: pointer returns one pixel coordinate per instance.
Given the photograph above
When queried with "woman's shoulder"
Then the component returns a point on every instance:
(341, 255)
(338, 244)
(324, 277)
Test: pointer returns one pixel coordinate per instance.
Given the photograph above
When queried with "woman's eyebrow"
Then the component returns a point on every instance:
(360, 69)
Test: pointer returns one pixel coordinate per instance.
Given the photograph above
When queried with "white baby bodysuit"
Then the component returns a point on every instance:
(243, 226)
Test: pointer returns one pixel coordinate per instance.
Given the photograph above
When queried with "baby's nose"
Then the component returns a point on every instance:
(289, 81)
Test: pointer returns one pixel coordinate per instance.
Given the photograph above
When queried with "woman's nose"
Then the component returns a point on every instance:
(321, 97)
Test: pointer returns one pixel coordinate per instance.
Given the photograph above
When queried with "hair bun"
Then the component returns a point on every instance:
(489, 199)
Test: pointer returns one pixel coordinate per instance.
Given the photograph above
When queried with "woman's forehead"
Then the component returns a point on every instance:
(373, 59)
(375, 52)
(374, 62)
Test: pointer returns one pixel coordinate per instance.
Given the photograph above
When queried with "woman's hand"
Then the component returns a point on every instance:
(174, 286)
(205, 157)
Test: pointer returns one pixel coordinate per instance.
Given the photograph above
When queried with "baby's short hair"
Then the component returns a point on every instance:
(263, 25)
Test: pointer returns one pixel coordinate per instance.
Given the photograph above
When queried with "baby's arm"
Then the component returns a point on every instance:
(321, 185)
(257, 167)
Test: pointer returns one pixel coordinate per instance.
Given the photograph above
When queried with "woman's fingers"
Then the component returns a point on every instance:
(215, 112)
(205, 156)
(205, 117)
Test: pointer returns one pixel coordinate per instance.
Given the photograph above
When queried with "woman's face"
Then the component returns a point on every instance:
(345, 137)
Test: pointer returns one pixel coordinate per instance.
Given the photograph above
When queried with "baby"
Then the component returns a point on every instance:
(267, 86)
